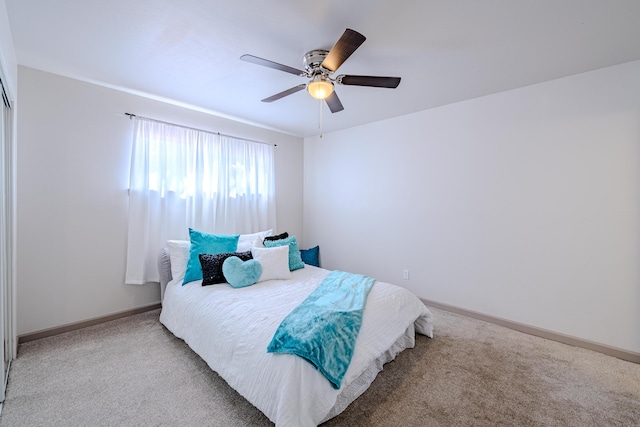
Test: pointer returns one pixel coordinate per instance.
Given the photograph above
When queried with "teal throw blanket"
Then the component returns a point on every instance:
(323, 329)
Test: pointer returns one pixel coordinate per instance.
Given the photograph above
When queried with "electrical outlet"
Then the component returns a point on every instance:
(405, 274)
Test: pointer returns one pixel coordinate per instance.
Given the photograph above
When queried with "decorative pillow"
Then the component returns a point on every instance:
(277, 236)
(241, 273)
(311, 256)
(212, 266)
(274, 261)
(205, 243)
(295, 260)
(257, 243)
(179, 256)
(246, 241)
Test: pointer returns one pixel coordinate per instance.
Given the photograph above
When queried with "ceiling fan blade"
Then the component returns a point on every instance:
(373, 81)
(271, 64)
(285, 93)
(333, 102)
(344, 47)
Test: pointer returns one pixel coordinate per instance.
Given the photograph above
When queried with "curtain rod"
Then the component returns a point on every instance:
(131, 116)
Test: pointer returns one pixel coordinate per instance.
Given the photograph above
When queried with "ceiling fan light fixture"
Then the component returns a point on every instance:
(319, 87)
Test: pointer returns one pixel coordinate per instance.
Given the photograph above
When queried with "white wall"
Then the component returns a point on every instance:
(74, 144)
(524, 205)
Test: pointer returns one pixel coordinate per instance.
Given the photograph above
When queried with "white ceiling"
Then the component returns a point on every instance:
(188, 51)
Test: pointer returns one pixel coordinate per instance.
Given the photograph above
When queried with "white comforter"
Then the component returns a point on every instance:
(231, 328)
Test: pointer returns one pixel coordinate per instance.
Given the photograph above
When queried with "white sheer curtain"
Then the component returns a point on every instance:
(183, 177)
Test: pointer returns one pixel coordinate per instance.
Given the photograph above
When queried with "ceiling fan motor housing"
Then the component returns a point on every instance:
(312, 61)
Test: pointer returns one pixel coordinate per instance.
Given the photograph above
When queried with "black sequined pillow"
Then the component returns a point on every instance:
(277, 236)
(212, 266)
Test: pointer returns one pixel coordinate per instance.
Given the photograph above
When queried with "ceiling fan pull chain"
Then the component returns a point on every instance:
(320, 116)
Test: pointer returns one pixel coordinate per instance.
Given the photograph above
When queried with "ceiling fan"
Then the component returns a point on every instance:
(319, 65)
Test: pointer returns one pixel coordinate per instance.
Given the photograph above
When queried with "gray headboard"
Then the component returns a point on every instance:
(164, 268)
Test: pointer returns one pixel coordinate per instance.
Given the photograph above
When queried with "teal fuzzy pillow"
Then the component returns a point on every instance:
(205, 243)
(311, 256)
(295, 259)
(240, 273)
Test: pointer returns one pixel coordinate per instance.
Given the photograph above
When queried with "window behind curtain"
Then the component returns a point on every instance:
(183, 177)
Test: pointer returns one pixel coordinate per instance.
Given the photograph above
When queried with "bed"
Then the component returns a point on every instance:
(230, 329)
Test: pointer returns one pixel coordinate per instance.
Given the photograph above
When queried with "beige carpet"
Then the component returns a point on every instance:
(133, 372)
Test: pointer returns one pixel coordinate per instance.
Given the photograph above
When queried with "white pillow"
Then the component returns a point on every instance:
(179, 256)
(245, 241)
(274, 261)
(258, 243)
